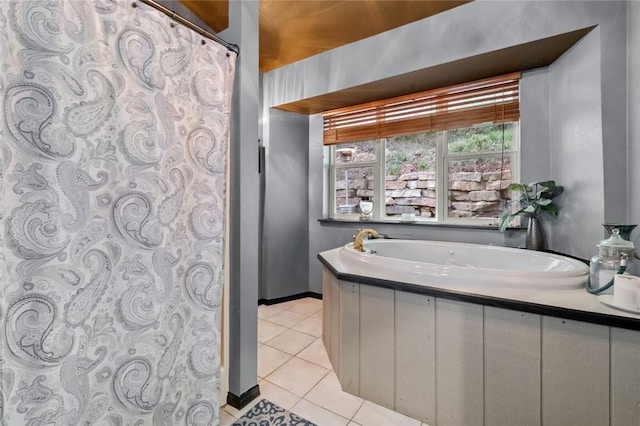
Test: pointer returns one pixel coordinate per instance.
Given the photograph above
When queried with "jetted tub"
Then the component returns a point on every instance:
(468, 265)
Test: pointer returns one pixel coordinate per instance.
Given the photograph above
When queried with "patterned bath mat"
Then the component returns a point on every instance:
(266, 413)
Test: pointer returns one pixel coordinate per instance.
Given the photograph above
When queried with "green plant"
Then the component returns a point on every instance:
(394, 161)
(480, 139)
(534, 198)
(424, 164)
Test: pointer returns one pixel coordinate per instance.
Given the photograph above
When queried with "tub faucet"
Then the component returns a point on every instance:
(357, 242)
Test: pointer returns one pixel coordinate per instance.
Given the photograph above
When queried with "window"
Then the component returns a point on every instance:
(436, 160)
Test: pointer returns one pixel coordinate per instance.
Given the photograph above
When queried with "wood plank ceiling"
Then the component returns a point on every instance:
(291, 30)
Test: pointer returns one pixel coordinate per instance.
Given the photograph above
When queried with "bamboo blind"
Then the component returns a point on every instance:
(491, 100)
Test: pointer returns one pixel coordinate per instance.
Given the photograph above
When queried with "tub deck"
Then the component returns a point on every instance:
(571, 303)
(471, 355)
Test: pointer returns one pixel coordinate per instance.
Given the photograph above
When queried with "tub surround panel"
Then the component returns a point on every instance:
(348, 336)
(625, 397)
(377, 345)
(342, 343)
(334, 348)
(459, 361)
(492, 366)
(575, 373)
(326, 313)
(415, 365)
(511, 349)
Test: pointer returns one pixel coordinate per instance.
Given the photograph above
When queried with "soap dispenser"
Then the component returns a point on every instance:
(614, 257)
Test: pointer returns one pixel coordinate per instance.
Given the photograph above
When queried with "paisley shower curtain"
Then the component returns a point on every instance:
(113, 134)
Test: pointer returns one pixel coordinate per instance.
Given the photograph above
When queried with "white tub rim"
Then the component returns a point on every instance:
(402, 268)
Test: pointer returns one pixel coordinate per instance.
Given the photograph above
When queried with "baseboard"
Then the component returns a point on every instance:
(239, 402)
(288, 298)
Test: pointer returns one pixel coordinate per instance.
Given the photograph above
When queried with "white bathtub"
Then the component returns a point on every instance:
(468, 265)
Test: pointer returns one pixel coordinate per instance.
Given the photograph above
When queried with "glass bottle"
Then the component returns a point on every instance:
(613, 253)
(366, 208)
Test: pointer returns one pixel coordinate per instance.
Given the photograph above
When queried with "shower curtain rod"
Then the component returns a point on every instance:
(184, 21)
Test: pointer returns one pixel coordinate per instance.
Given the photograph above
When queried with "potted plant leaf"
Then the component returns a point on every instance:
(534, 198)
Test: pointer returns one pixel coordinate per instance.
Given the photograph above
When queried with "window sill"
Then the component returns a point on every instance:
(329, 221)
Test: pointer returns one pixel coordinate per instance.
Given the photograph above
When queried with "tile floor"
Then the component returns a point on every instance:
(294, 371)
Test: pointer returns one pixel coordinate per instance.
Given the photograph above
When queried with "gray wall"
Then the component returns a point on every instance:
(285, 234)
(633, 116)
(584, 139)
(536, 144)
(243, 200)
(577, 145)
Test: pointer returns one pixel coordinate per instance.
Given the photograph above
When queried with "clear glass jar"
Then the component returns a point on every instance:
(366, 208)
(613, 253)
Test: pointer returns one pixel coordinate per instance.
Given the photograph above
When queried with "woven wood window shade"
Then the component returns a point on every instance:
(492, 100)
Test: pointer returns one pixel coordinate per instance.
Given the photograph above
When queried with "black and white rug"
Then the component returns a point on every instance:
(266, 413)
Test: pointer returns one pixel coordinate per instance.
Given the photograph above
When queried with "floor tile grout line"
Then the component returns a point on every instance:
(296, 355)
(283, 326)
(322, 378)
(280, 325)
(289, 353)
(298, 398)
(320, 406)
(306, 317)
(297, 331)
(326, 408)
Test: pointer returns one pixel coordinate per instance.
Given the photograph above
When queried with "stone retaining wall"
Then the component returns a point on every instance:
(471, 194)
